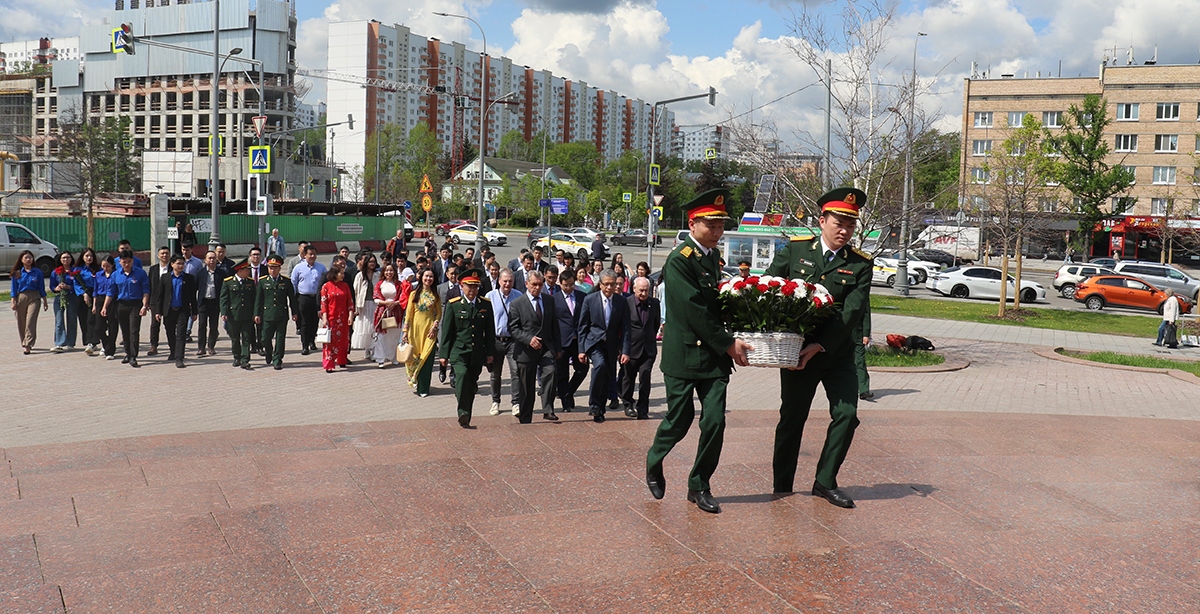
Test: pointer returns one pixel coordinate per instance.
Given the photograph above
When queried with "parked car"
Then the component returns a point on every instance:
(568, 243)
(444, 229)
(680, 237)
(1107, 263)
(1102, 290)
(884, 273)
(1069, 275)
(921, 268)
(634, 236)
(467, 233)
(938, 256)
(15, 238)
(981, 282)
(539, 232)
(1163, 276)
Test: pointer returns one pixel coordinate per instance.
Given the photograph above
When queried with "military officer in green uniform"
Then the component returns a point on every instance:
(697, 354)
(237, 310)
(863, 335)
(274, 305)
(467, 333)
(828, 354)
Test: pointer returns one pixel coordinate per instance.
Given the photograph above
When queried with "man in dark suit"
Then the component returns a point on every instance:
(515, 263)
(208, 297)
(570, 371)
(645, 314)
(157, 273)
(539, 264)
(442, 265)
(533, 324)
(523, 272)
(603, 339)
(450, 288)
(175, 297)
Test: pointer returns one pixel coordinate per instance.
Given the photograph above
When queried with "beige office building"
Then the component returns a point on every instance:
(1155, 121)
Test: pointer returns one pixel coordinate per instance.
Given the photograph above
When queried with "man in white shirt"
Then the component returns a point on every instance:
(501, 298)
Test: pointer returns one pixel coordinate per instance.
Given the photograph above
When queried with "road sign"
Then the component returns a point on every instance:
(627, 197)
(220, 148)
(544, 202)
(658, 198)
(426, 202)
(260, 122)
(426, 187)
(658, 213)
(260, 159)
(334, 182)
(407, 205)
(655, 170)
(172, 233)
(710, 154)
(558, 206)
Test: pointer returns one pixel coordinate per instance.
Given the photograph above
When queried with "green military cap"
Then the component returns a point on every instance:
(275, 259)
(843, 201)
(709, 205)
(471, 276)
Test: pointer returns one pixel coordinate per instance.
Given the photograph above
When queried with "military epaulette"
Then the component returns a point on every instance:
(230, 277)
(484, 298)
(686, 252)
(864, 255)
(454, 300)
(799, 238)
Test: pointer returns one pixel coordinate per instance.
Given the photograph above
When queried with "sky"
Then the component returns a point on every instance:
(660, 49)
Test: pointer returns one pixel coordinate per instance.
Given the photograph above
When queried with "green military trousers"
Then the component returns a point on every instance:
(860, 366)
(681, 409)
(273, 334)
(241, 337)
(466, 384)
(796, 391)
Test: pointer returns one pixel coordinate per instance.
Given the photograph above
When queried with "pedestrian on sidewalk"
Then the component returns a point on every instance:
(467, 341)
(1167, 330)
(28, 285)
(63, 282)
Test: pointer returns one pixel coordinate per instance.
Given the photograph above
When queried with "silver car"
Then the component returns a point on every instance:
(1163, 276)
(15, 238)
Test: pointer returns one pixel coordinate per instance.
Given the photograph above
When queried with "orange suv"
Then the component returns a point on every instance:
(1124, 291)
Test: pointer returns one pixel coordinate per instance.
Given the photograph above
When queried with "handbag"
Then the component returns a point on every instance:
(323, 335)
(404, 352)
(1170, 338)
(388, 323)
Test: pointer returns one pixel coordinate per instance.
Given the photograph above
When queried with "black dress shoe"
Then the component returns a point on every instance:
(125, 360)
(464, 421)
(246, 366)
(613, 404)
(442, 376)
(598, 417)
(348, 363)
(237, 363)
(550, 416)
(305, 352)
(171, 358)
(832, 495)
(133, 363)
(278, 367)
(643, 416)
(179, 364)
(704, 500)
(630, 412)
(656, 482)
(867, 395)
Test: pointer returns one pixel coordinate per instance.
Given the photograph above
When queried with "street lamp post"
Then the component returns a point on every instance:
(483, 83)
(902, 265)
(650, 219)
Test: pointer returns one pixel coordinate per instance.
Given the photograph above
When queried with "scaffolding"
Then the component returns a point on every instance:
(16, 122)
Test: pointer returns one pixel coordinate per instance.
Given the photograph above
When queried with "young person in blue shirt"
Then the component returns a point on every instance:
(128, 299)
(28, 285)
(104, 328)
(63, 284)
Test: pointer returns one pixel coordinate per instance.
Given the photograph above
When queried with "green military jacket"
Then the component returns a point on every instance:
(468, 332)
(274, 300)
(237, 299)
(694, 337)
(864, 326)
(847, 277)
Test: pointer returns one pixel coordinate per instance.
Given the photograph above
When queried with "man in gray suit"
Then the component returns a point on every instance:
(449, 289)
(645, 314)
(534, 328)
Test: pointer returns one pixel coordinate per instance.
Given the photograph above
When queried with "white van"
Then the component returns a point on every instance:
(15, 238)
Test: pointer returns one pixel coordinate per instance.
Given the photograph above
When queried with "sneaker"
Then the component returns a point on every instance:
(90, 350)
(382, 365)
(516, 410)
(495, 409)
(58, 349)
(110, 357)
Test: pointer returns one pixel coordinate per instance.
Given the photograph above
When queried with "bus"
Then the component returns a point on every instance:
(758, 244)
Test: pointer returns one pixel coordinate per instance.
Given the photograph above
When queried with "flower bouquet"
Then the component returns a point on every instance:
(773, 314)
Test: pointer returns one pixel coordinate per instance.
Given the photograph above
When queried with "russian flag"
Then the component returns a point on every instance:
(752, 219)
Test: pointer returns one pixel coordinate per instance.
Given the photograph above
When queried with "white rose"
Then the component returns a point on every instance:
(765, 279)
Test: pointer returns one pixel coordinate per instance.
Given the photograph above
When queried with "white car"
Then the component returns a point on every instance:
(921, 268)
(981, 282)
(585, 233)
(885, 274)
(569, 243)
(466, 234)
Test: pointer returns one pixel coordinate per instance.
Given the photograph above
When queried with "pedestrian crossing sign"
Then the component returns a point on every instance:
(260, 159)
(627, 197)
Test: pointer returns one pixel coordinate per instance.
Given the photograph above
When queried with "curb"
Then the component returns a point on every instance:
(953, 363)
(1052, 354)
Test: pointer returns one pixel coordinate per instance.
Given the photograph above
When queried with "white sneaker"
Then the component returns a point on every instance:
(495, 409)
(90, 350)
(382, 364)
(110, 357)
(58, 349)
(516, 411)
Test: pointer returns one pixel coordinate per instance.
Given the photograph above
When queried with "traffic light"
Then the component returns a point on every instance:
(350, 120)
(712, 96)
(125, 38)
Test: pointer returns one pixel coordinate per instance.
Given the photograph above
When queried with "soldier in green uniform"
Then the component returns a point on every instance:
(863, 334)
(467, 334)
(237, 310)
(274, 305)
(828, 354)
(697, 354)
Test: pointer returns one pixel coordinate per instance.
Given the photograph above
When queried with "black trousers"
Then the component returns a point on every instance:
(603, 378)
(104, 330)
(527, 375)
(640, 369)
(129, 319)
(155, 330)
(570, 374)
(309, 306)
(175, 324)
(84, 312)
(209, 317)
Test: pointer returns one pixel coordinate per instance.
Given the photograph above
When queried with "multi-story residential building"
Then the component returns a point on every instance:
(1154, 129)
(307, 115)
(697, 141)
(535, 100)
(23, 56)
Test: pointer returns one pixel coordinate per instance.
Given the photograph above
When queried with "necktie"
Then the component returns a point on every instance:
(571, 303)
(829, 256)
(642, 312)
(607, 311)
(537, 307)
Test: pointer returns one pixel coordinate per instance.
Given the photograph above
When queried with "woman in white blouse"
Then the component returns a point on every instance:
(364, 305)
(389, 297)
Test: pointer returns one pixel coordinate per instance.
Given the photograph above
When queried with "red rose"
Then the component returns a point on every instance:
(739, 285)
(775, 283)
(789, 289)
(809, 287)
(762, 287)
(753, 280)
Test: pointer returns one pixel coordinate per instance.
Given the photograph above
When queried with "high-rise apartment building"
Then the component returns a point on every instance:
(697, 142)
(1154, 129)
(535, 100)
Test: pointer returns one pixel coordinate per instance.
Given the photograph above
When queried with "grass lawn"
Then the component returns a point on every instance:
(985, 313)
(1113, 358)
(878, 356)
(4, 296)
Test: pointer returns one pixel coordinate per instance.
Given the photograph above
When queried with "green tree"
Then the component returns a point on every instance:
(403, 160)
(1083, 169)
(101, 160)
(580, 160)
(314, 138)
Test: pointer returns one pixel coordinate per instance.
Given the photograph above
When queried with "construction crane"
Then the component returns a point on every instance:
(383, 84)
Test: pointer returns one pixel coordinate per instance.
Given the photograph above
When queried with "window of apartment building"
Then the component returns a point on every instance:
(1121, 204)
(1127, 111)
(1164, 175)
(1166, 143)
(1047, 205)
(983, 119)
(1132, 171)
(981, 148)
(1196, 176)
(1126, 143)
(1015, 118)
(1167, 111)
(979, 175)
(1159, 206)
(1052, 119)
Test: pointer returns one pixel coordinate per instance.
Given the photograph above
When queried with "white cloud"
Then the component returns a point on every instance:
(31, 20)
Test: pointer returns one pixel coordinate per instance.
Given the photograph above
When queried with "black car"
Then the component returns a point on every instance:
(634, 236)
(936, 255)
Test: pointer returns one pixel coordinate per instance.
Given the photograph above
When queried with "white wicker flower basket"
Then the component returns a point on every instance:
(773, 350)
